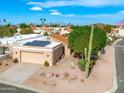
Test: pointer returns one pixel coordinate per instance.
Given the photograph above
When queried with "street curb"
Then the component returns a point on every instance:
(115, 85)
(22, 86)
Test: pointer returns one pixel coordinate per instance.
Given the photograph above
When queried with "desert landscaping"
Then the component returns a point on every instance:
(67, 77)
(6, 64)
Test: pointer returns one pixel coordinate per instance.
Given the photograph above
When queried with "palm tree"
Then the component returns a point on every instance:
(4, 20)
(43, 20)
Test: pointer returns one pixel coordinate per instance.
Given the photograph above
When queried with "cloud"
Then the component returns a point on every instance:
(91, 3)
(121, 12)
(55, 12)
(36, 9)
(118, 15)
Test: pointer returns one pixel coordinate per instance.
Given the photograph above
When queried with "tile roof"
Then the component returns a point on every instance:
(60, 38)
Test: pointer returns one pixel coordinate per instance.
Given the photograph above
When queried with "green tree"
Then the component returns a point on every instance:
(78, 39)
(46, 34)
(23, 25)
(4, 31)
(13, 30)
(4, 20)
(27, 30)
(43, 20)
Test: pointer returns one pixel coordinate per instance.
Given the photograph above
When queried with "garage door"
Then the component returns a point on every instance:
(31, 57)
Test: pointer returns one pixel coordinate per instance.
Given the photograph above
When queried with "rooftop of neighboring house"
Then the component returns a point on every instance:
(50, 29)
(11, 40)
(60, 38)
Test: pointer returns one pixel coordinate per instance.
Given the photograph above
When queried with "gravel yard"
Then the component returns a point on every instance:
(66, 76)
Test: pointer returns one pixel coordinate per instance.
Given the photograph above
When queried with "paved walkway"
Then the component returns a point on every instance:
(19, 73)
(119, 55)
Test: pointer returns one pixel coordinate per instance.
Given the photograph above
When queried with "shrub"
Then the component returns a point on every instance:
(0, 63)
(6, 64)
(7, 31)
(82, 64)
(78, 39)
(65, 75)
(46, 63)
(23, 25)
(15, 60)
(27, 30)
(46, 34)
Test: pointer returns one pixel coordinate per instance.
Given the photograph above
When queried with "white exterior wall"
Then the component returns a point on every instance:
(121, 32)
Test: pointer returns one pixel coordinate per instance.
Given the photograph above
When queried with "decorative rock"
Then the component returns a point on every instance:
(44, 82)
(49, 74)
(42, 74)
(74, 77)
(82, 80)
(72, 65)
(57, 75)
(54, 84)
(66, 75)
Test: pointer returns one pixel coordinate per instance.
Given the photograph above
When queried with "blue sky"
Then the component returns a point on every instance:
(62, 11)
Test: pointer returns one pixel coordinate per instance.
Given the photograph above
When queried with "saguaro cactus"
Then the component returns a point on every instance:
(89, 52)
(85, 50)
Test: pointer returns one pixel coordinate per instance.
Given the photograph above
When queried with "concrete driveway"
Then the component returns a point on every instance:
(19, 73)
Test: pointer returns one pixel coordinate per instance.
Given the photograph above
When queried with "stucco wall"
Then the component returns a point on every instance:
(50, 55)
(121, 32)
(67, 50)
(58, 53)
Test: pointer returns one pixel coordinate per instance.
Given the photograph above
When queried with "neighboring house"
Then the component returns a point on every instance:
(118, 32)
(61, 30)
(38, 50)
(38, 30)
(8, 41)
(11, 40)
(57, 30)
(47, 29)
(113, 33)
(18, 30)
(63, 40)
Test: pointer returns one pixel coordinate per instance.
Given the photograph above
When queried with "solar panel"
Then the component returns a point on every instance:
(38, 43)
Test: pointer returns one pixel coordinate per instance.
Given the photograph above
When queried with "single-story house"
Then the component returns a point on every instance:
(38, 50)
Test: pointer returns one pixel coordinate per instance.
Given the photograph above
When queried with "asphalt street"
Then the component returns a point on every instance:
(119, 57)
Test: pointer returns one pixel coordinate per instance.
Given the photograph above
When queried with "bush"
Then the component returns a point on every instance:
(15, 60)
(0, 63)
(65, 75)
(46, 63)
(79, 38)
(27, 30)
(82, 64)
(23, 25)
(6, 64)
(7, 31)
(46, 34)
(13, 31)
